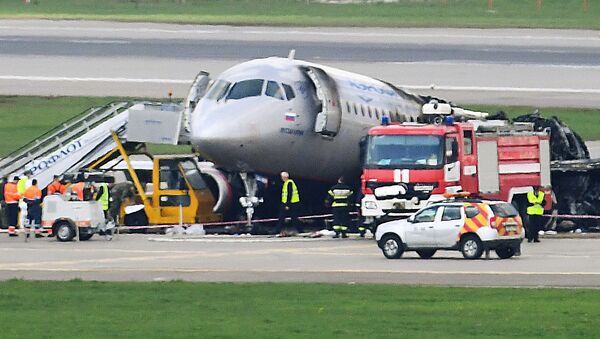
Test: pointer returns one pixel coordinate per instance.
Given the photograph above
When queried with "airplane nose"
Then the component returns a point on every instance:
(211, 139)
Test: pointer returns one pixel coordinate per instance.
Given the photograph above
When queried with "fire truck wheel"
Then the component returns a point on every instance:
(426, 254)
(392, 246)
(64, 231)
(471, 247)
(505, 252)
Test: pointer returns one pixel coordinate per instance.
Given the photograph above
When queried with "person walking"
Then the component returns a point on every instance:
(290, 204)
(33, 199)
(12, 197)
(339, 196)
(535, 210)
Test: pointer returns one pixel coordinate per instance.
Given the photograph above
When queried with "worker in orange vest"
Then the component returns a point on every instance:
(56, 187)
(12, 197)
(77, 189)
(33, 198)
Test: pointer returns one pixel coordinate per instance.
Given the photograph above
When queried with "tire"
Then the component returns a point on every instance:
(85, 236)
(471, 247)
(426, 254)
(505, 252)
(64, 231)
(392, 246)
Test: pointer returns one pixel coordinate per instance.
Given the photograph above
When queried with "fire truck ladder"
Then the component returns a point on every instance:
(45, 144)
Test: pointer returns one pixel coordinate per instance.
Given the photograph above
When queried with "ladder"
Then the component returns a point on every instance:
(49, 142)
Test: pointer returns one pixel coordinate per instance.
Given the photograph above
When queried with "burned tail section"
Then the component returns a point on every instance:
(575, 177)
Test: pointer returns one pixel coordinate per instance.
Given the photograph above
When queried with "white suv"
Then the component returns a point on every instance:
(470, 226)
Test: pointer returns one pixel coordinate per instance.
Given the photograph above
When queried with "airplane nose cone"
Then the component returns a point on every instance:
(211, 139)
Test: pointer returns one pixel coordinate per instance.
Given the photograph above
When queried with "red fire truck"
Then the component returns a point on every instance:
(408, 165)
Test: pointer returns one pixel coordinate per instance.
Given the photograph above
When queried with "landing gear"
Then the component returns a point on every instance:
(250, 201)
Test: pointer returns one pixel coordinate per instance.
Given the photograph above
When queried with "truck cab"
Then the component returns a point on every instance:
(408, 165)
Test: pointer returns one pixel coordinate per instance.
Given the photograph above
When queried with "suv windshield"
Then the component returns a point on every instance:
(405, 151)
(504, 210)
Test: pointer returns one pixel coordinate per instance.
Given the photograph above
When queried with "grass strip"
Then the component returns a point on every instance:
(26, 117)
(403, 13)
(265, 310)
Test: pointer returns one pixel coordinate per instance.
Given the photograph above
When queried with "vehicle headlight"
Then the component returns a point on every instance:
(370, 205)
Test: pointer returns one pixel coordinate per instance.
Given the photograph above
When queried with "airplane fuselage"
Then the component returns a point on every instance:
(260, 116)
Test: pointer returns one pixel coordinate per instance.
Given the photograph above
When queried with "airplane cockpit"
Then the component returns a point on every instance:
(223, 89)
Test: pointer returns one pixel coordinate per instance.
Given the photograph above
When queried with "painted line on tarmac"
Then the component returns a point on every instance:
(412, 87)
(243, 240)
(92, 79)
(294, 31)
(354, 271)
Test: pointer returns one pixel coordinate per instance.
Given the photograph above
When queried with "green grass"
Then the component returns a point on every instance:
(404, 13)
(586, 122)
(26, 117)
(204, 310)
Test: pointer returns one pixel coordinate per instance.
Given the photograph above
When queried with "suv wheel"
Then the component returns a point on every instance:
(505, 252)
(426, 254)
(471, 247)
(392, 246)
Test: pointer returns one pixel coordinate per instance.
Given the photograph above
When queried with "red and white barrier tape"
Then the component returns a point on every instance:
(568, 216)
(225, 223)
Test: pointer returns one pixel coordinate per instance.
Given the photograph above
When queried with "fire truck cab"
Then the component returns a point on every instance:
(407, 166)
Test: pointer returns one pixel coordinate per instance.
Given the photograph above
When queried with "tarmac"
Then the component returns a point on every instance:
(555, 262)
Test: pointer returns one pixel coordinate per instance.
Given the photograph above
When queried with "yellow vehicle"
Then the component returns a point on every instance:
(176, 193)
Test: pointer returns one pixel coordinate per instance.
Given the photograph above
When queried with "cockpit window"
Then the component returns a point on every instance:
(273, 90)
(245, 89)
(217, 90)
(289, 91)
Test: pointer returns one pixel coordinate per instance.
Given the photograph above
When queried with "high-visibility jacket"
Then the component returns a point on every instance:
(295, 198)
(536, 203)
(103, 199)
(340, 195)
(77, 190)
(22, 185)
(11, 193)
(33, 193)
(56, 188)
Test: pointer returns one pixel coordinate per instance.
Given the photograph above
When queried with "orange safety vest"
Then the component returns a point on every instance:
(32, 193)
(11, 193)
(56, 187)
(77, 189)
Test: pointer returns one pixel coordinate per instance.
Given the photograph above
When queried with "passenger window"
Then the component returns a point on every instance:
(289, 92)
(348, 107)
(273, 90)
(355, 110)
(451, 150)
(245, 89)
(370, 113)
(377, 113)
(468, 142)
(451, 213)
(471, 211)
(426, 215)
(362, 110)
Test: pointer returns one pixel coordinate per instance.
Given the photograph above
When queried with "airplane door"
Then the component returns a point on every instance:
(328, 121)
(197, 91)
